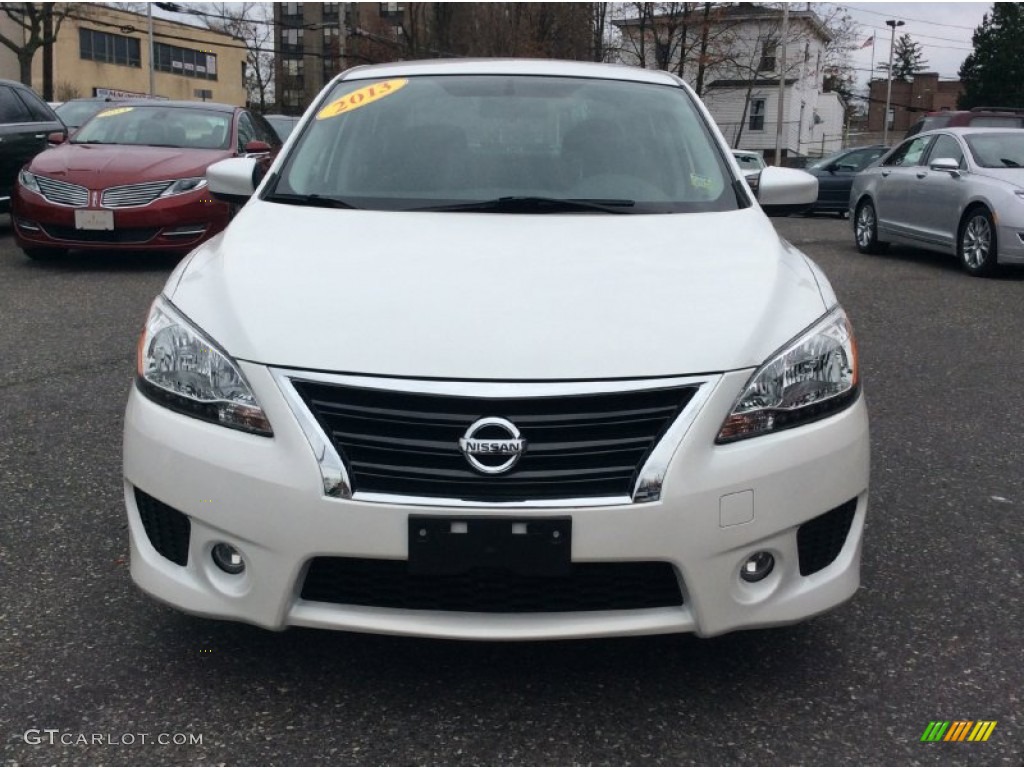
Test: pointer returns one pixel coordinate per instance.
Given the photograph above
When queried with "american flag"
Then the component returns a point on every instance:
(869, 42)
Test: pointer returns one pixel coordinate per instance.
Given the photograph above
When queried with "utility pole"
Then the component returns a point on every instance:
(782, 84)
(152, 89)
(893, 23)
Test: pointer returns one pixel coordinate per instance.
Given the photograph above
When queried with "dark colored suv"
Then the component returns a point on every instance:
(979, 117)
(25, 123)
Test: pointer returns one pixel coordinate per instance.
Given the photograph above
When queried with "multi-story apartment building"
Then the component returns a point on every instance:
(316, 41)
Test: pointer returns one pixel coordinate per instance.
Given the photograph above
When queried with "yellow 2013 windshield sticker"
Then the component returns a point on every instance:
(116, 111)
(360, 98)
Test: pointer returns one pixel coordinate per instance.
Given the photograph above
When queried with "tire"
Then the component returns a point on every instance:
(865, 229)
(976, 243)
(45, 254)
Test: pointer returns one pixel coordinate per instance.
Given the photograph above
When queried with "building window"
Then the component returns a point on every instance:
(293, 9)
(330, 11)
(112, 49)
(291, 39)
(331, 36)
(332, 66)
(768, 52)
(293, 97)
(184, 61)
(757, 114)
(293, 67)
(392, 9)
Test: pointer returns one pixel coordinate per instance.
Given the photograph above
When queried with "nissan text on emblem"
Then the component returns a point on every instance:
(491, 439)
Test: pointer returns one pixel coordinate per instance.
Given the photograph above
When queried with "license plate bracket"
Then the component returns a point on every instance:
(527, 546)
(94, 219)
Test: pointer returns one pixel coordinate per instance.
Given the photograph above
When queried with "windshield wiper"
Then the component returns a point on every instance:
(314, 201)
(536, 205)
(93, 142)
(1009, 163)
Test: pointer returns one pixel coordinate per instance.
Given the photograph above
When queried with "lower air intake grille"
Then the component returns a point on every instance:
(122, 236)
(168, 529)
(577, 446)
(587, 587)
(819, 541)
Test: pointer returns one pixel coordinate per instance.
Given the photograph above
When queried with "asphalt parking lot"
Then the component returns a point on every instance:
(933, 634)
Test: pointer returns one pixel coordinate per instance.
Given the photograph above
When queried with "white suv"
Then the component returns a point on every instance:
(499, 350)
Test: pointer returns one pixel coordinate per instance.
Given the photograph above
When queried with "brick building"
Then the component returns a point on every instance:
(911, 100)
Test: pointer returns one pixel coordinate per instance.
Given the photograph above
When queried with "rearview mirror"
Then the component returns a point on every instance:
(57, 137)
(257, 147)
(782, 191)
(234, 180)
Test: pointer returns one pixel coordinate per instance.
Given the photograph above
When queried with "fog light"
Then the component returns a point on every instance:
(757, 567)
(228, 559)
(26, 225)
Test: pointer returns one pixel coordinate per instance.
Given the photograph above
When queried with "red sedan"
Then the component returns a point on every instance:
(134, 178)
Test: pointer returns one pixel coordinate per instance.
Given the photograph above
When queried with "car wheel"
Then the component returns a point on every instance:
(977, 243)
(45, 254)
(865, 229)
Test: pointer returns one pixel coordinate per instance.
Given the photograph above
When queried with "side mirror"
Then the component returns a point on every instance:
(257, 147)
(945, 164)
(57, 137)
(782, 191)
(234, 180)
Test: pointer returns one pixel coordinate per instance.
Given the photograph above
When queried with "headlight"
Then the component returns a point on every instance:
(181, 186)
(181, 368)
(811, 377)
(28, 181)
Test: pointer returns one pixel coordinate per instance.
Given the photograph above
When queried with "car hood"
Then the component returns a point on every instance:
(101, 165)
(501, 297)
(1011, 175)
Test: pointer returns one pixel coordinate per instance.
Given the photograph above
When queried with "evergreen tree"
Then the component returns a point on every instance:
(993, 75)
(907, 59)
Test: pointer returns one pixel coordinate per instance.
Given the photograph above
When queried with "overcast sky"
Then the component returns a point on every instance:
(943, 29)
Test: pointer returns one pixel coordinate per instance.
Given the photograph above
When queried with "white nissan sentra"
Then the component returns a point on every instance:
(499, 350)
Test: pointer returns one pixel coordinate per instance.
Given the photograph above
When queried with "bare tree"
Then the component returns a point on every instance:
(251, 25)
(40, 23)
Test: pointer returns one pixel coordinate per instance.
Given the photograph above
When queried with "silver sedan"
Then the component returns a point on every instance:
(958, 191)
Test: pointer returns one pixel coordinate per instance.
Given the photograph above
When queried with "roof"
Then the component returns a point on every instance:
(963, 130)
(548, 67)
(741, 12)
(759, 83)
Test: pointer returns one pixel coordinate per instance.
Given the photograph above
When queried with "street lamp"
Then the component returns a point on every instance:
(893, 23)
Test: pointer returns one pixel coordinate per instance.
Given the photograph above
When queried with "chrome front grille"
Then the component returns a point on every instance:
(134, 195)
(405, 444)
(62, 193)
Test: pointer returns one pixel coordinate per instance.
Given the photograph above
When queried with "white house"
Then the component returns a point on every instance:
(740, 47)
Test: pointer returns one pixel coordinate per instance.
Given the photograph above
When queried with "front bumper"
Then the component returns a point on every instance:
(265, 497)
(175, 224)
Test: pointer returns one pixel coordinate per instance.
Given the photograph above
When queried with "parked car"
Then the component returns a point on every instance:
(133, 177)
(499, 349)
(958, 191)
(979, 117)
(282, 124)
(835, 177)
(25, 123)
(76, 112)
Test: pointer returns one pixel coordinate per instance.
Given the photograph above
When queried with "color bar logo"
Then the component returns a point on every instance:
(958, 730)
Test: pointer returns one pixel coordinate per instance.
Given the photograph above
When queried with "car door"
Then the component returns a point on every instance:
(896, 177)
(24, 127)
(935, 197)
(835, 181)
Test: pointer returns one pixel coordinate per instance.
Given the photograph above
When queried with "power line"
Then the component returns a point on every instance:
(905, 18)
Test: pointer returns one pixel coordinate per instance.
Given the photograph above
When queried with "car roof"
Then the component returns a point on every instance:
(962, 130)
(207, 105)
(549, 67)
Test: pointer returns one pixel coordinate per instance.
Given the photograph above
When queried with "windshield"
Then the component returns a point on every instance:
(74, 113)
(283, 126)
(158, 127)
(437, 141)
(749, 162)
(997, 150)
